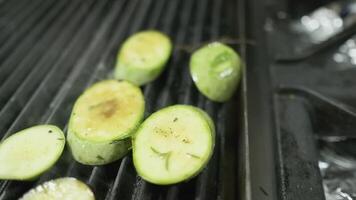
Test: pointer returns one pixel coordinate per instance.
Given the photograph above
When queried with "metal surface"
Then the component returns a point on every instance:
(313, 100)
(52, 50)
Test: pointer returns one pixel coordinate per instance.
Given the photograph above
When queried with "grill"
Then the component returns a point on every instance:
(312, 88)
(52, 50)
(287, 134)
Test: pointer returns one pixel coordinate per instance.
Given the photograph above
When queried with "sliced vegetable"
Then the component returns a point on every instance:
(143, 56)
(60, 189)
(28, 153)
(102, 121)
(174, 144)
(216, 71)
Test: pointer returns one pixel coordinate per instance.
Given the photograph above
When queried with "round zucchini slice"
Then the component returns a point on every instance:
(102, 121)
(216, 71)
(60, 189)
(143, 56)
(173, 145)
(27, 154)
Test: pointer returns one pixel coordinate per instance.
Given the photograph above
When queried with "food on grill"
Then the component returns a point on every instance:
(60, 189)
(102, 121)
(173, 144)
(216, 71)
(27, 154)
(143, 56)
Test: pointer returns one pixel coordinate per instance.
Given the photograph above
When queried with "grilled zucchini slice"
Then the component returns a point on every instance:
(216, 71)
(173, 144)
(27, 154)
(60, 189)
(143, 57)
(102, 121)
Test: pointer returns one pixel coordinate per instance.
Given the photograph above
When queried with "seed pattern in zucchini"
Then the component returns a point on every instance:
(216, 71)
(143, 57)
(27, 154)
(60, 189)
(173, 144)
(102, 121)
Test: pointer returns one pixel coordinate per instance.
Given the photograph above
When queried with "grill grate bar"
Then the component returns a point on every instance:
(122, 183)
(88, 55)
(213, 183)
(197, 38)
(30, 114)
(5, 6)
(155, 16)
(24, 91)
(93, 49)
(101, 73)
(168, 95)
(126, 161)
(8, 12)
(169, 19)
(216, 19)
(166, 92)
(74, 166)
(88, 60)
(181, 39)
(52, 81)
(10, 18)
(206, 184)
(225, 161)
(138, 24)
(26, 21)
(150, 91)
(25, 117)
(145, 188)
(25, 47)
(142, 10)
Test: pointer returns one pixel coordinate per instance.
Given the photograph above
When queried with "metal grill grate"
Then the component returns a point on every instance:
(52, 50)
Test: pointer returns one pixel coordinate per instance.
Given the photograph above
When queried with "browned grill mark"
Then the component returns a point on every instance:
(107, 108)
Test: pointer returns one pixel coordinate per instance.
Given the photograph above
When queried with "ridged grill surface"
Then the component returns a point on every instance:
(50, 51)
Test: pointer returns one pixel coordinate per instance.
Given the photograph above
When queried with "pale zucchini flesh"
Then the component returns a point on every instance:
(60, 189)
(27, 154)
(173, 145)
(216, 71)
(102, 121)
(143, 57)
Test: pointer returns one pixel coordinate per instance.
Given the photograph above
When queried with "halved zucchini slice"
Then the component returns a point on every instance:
(102, 121)
(27, 154)
(60, 189)
(173, 145)
(143, 56)
(216, 71)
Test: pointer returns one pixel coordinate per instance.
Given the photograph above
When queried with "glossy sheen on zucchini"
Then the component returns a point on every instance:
(143, 56)
(216, 71)
(173, 145)
(27, 154)
(60, 189)
(102, 121)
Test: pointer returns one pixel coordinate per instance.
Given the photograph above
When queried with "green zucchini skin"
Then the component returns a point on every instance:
(216, 71)
(143, 57)
(140, 162)
(96, 148)
(208, 119)
(27, 154)
(97, 153)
